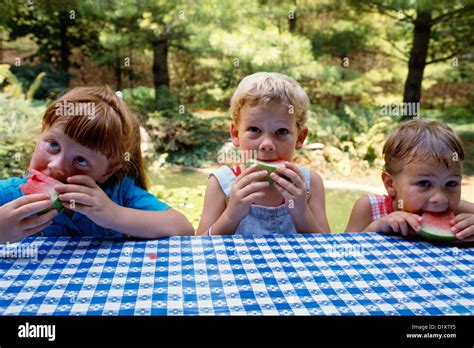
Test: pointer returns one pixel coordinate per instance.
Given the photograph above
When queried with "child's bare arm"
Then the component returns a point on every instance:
(464, 207)
(214, 206)
(150, 224)
(360, 221)
(317, 203)
(398, 221)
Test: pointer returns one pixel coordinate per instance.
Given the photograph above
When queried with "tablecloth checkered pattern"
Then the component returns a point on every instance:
(334, 274)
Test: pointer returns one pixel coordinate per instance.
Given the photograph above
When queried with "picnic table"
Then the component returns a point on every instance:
(332, 274)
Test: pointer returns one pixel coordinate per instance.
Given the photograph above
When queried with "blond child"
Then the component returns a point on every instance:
(269, 112)
(96, 155)
(423, 172)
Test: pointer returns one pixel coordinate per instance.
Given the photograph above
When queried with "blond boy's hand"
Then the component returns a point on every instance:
(16, 222)
(293, 190)
(399, 222)
(464, 227)
(245, 190)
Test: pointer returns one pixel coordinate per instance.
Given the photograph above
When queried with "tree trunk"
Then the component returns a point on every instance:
(65, 49)
(417, 62)
(118, 70)
(292, 21)
(160, 65)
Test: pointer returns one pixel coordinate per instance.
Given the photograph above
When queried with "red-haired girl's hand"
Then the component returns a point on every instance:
(16, 221)
(83, 195)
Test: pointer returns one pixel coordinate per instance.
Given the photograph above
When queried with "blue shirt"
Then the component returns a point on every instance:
(124, 193)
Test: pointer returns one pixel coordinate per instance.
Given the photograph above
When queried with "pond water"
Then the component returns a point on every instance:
(185, 192)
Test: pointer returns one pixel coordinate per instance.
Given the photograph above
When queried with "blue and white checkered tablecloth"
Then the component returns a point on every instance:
(338, 274)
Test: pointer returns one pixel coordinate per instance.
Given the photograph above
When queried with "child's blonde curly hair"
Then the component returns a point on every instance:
(268, 88)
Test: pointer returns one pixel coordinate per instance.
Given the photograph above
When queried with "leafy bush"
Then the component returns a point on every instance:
(142, 99)
(350, 135)
(187, 139)
(52, 85)
(20, 122)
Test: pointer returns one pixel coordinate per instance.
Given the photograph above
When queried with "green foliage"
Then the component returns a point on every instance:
(51, 85)
(56, 27)
(187, 200)
(19, 124)
(350, 135)
(11, 84)
(140, 99)
(187, 139)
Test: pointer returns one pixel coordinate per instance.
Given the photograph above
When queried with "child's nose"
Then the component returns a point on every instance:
(439, 198)
(267, 145)
(56, 168)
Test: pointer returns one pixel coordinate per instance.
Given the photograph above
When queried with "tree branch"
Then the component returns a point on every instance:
(404, 54)
(379, 9)
(385, 54)
(179, 47)
(441, 59)
(449, 15)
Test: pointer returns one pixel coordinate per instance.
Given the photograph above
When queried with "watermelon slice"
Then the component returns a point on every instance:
(270, 167)
(40, 183)
(436, 226)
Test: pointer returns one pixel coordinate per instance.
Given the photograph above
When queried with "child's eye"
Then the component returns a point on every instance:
(81, 161)
(424, 183)
(282, 131)
(452, 183)
(254, 129)
(53, 145)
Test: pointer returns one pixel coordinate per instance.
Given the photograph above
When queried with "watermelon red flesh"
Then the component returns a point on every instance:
(38, 182)
(436, 226)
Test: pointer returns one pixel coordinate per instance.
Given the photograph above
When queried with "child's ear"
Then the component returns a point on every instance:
(111, 171)
(234, 134)
(301, 138)
(387, 180)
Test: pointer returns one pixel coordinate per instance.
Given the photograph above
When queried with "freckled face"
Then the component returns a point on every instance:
(270, 130)
(428, 186)
(60, 157)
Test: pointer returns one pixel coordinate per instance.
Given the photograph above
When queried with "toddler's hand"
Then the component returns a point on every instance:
(293, 190)
(245, 190)
(464, 227)
(16, 221)
(399, 222)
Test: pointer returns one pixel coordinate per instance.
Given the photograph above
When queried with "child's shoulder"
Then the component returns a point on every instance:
(361, 215)
(12, 182)
(221, 179)
(10, 189)
(362, 205)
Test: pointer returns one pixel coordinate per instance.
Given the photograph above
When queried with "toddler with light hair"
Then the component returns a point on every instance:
(269, 112)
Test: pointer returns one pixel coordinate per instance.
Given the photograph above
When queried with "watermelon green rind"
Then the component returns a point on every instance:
(436, 226)
(433, 234)
(38, 182)
(270, 167)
